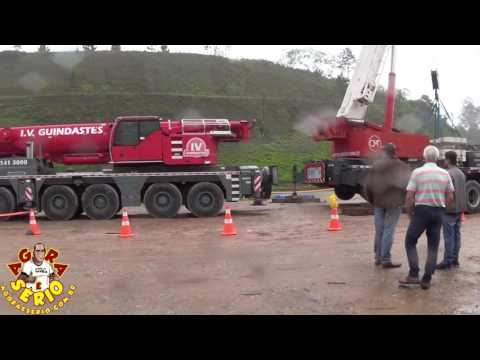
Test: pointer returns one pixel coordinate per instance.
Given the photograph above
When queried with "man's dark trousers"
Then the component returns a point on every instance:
(430, 219)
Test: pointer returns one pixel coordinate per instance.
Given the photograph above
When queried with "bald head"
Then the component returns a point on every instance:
(431, 153)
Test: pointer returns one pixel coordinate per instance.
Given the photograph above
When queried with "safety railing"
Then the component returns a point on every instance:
(218, 127)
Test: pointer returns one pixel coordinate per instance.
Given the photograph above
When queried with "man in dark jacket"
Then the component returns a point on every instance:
(386, 186)
(452, 217)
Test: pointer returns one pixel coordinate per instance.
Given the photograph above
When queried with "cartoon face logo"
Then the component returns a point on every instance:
(374, 143)
(196, 148)
(38, 287)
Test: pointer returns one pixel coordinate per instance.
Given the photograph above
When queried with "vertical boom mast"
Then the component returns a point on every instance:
(363, 85)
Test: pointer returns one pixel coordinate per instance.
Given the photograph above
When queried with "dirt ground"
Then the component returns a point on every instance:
(283, 261)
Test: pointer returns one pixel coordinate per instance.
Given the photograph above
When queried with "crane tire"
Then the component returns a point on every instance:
(472, 193)
(100, 201)
(163, 200)
(344, 192)
(7, 202)
(59, 202)
(205, 199)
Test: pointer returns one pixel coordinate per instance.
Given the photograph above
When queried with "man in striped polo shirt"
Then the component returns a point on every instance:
(429, 191)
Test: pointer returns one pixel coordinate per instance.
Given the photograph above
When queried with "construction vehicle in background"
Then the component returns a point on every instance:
(357, 143)
(160, 163)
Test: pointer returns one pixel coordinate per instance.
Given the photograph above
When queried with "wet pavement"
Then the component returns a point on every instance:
(283, 261)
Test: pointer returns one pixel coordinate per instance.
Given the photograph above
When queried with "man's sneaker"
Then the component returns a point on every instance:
(425, 284)
(443, 266)
(455, 263)
(409, 281)
(390, 265)
(378, 263)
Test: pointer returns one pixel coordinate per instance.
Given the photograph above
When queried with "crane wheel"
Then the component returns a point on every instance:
(205, 199)
(7, 202)
(472, 191)
(163, 200)
(344, 192)
(100, 201)
(60, 202)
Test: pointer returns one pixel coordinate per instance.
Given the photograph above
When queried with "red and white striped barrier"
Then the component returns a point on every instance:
(257, 187)
(258, 184)
(29, 193)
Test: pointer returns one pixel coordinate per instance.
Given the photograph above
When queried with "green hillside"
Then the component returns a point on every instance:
(86, 87)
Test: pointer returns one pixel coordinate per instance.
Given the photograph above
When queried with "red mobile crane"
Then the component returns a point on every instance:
(128, 140)
(356, 142)
(157, 162)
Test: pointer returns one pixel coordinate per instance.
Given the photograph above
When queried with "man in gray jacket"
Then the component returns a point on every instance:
(386, 185)
(452, 217)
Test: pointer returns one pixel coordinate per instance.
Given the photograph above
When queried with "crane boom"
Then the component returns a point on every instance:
(363, 85)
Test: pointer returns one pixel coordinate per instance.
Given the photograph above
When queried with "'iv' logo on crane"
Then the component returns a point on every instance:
(196, 147)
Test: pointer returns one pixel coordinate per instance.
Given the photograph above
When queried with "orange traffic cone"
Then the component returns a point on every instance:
(34, 227)
(126, 229)
(334, 221)
(462, 217)
(228, 226)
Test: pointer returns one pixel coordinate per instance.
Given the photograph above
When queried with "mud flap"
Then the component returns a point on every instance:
(269, 178)
(130, 189)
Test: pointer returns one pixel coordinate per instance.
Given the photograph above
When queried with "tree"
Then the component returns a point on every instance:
(116, 48)
(293, 58)
(470, 115)
(345, 62)
(43, 49)
(165, 49)
(17, 47)
(309, 59)
(470, 120)
(91, 48)
(226, 50)
(218, 50)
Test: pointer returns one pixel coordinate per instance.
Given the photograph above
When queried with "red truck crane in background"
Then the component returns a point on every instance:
(157, 162)
(357, 142)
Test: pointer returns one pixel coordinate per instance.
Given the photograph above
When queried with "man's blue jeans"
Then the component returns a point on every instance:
(451, 235)
(430, 219)
(385, 222)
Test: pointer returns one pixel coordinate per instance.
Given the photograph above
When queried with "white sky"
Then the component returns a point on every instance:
(457, 65)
